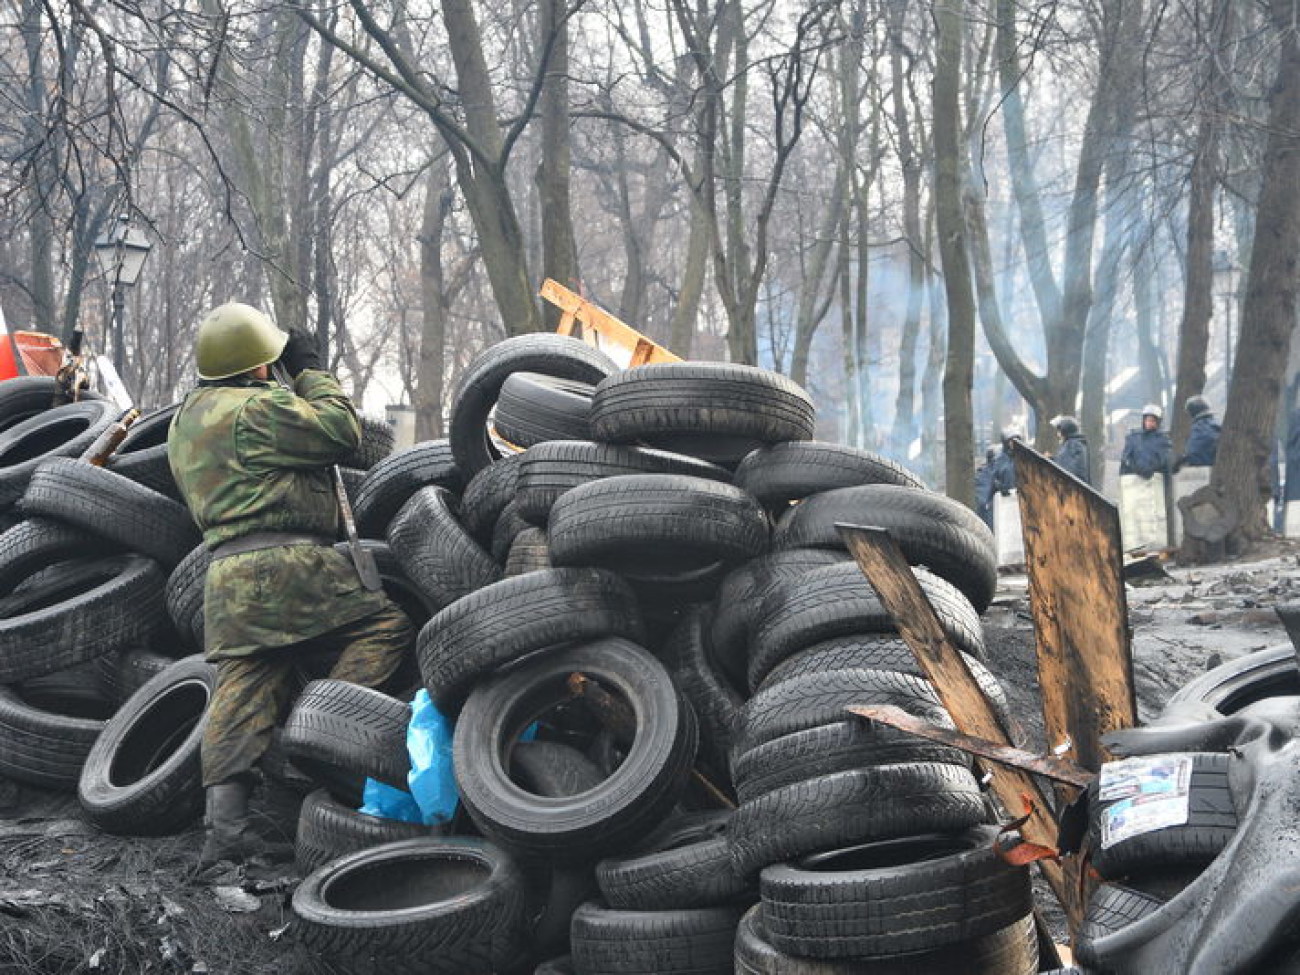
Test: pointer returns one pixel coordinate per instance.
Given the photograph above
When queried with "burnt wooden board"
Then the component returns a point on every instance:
(882, 562)
(1076, 594)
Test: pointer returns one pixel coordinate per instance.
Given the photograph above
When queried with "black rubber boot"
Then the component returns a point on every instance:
(229, 836)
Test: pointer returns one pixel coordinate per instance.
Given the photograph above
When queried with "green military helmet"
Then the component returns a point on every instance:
(235, 338)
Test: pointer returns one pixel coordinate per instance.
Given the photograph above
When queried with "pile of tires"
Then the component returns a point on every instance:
(83, 561)
(634, 605)
(101, 690)
(645, 629)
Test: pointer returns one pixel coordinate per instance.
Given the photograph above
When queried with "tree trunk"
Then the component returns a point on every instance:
(1122, 205)
(560, 251)
(1064, 311)
(861, 346)
(1198, 298)
(742, 336)
(932, 379)
(631, 303)
(904, 409)
(950, 168)
(1240, 482)
(41, 183)
(853, 366)
(692, 289)
(1144, 317)
(480, 172)
(1024, 185)
(1109, 115)
(433, 336)
(811, 308)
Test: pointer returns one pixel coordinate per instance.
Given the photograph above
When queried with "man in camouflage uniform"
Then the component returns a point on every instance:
(252, 461)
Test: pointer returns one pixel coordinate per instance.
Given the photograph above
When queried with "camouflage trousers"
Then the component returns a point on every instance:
(253, 691)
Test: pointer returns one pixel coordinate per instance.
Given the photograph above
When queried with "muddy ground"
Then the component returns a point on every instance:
(74, 900)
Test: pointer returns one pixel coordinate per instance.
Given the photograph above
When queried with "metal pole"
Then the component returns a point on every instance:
(119, 306)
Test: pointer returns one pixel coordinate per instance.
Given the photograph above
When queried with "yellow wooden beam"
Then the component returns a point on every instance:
(601, 330)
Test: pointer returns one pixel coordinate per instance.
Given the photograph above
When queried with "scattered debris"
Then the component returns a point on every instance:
(236, 900)
(1145, 571)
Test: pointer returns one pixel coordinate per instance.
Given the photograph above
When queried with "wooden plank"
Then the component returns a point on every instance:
(601, 329)
(1045, 765)
(1075, 563)
(882, 562)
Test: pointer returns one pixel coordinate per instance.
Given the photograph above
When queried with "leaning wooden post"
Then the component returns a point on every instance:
(886, 569)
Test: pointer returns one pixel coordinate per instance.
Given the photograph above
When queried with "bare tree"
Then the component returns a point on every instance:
(1064, 307)
(1194, 332)
(1239, 484)
(950, 176)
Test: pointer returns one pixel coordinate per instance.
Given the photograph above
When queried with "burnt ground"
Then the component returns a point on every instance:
(75, 900)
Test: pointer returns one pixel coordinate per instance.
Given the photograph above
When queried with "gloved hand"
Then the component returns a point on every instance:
(300, 352)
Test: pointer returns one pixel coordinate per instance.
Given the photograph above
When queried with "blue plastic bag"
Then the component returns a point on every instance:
(434, 796)
(431, 778)
(386, 802)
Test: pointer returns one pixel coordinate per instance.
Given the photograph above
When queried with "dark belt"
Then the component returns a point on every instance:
(260, 540)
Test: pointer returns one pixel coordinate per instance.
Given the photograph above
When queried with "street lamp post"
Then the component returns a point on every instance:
(121, 251)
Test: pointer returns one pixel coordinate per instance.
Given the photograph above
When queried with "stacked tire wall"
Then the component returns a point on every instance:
(645, 630)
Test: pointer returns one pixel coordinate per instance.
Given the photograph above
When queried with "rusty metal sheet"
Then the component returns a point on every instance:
(1075, 564)
(882, 562)
(1046, 765)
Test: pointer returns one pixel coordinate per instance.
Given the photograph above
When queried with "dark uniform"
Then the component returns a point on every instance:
(1202, 443)
(251, 458)
(1146, 453)
(1072, 456)
(1004, 472)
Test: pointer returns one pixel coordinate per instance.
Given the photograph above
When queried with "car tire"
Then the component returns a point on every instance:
(109, 605)
(548, 470)
(43, 747)
(925, 892)
(835, 601)
(436, 553)
(449, 906)
(786, 472)
(1210, 825)
(820, 699)
(617, 942)
(97, 500)
(848, 808)
(143, 776)
(626, 805)
(327, 830)
(718, 411)
(655, 523)
(341, 733)
(533, 408)
(509, 619)
(390, 483)
(931, 529)
(480, 386)
(64, 431)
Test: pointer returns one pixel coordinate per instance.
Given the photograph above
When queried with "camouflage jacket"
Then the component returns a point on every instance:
(254, 457)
